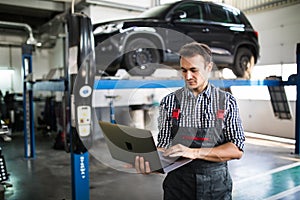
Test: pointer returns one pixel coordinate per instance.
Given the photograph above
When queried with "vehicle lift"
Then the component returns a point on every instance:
(80, 46)
(80, 62)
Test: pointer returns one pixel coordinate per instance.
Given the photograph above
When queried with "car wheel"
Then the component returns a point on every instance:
(141, 58)
(244, 63)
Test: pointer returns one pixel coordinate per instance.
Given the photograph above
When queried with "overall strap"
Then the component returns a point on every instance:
(176, 112)
(221, 96)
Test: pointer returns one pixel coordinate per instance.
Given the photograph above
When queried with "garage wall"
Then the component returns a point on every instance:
(258, 117)
(279, 32)
(42, 61)
(102, 14)
(7, 82)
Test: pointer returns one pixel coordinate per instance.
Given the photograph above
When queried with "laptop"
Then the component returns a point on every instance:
(125, 143)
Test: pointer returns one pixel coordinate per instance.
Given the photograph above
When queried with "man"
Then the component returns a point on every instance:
(200, 122)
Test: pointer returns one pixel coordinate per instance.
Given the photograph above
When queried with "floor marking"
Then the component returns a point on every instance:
(279, 181)
(268, 173)
(288, 158)
(271, 138)
(284, 194)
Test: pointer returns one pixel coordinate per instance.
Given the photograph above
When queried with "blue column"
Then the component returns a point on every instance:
(297, 120)
(29, 137)
(80, 177)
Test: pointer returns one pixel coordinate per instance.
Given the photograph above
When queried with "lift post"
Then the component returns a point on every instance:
(297, 128)
(81, 76)
(79, 45)
(29, 137)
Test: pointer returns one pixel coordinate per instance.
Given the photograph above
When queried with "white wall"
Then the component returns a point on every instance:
(279, 32)
(103, 14)
(10, 80)
(42, 61)
(258, 117)
(255, 106)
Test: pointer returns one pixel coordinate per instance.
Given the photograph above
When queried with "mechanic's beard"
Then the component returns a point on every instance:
(197, 88)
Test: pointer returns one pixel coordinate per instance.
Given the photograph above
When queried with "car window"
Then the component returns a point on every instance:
(193, 12)
(221, 14)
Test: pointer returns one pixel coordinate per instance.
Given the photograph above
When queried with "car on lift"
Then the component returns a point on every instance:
(139, 44)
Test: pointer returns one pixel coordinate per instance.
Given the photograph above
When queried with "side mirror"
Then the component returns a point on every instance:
(178, 15)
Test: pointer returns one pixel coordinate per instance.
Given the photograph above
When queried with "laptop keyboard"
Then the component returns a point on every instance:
(166, 161)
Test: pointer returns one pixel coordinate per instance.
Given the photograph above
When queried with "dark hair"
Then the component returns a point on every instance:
(195, 48)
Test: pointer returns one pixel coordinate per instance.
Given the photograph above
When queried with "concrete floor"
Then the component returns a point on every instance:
(268, 170)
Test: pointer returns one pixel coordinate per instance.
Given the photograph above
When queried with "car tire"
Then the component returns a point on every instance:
(141, 57)
(244, 63)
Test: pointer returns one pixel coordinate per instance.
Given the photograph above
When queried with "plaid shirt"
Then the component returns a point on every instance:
(200, 112)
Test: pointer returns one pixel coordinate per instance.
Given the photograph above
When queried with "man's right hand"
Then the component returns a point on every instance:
(142, 166)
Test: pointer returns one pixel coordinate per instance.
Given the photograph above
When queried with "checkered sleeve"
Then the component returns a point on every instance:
(164, 121)
(233, 128)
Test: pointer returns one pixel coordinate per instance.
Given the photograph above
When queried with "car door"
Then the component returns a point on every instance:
(190, 26)
(224, 29)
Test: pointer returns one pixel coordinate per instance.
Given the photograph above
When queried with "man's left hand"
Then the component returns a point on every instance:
(180, 150)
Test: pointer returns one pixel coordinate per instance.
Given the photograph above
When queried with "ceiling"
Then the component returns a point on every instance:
(42, 17)
(36, 16)
(35, 13)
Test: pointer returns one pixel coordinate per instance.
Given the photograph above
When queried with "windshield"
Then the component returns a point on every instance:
(155, 12)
